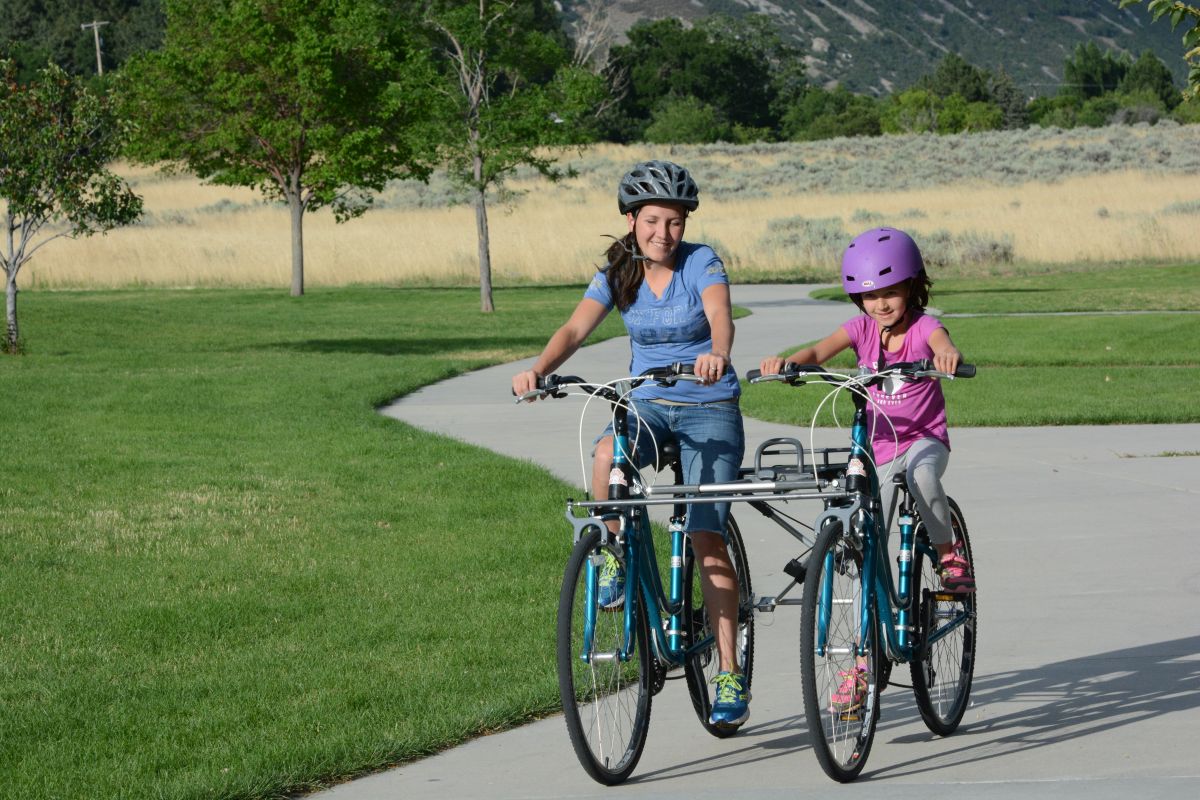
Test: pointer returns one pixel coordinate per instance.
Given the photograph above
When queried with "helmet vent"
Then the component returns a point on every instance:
(885, 270)
(885, 238)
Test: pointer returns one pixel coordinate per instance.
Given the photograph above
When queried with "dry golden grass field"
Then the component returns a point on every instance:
(1037, 198)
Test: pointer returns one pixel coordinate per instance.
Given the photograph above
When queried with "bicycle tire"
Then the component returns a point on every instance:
(702, 666)
(606, 703)
(841, 739)
(942, 672)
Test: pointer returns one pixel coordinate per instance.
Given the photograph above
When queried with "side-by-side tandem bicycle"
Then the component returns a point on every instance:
(859, 615)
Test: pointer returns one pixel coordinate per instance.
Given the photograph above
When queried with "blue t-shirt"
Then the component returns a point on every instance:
(673, 328)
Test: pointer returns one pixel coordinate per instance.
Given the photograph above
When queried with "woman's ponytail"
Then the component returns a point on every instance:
(623, 270)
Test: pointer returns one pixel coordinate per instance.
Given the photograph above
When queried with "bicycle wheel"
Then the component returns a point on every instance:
(841, 731)
(943, 669)
(702, 665)
(606, 701)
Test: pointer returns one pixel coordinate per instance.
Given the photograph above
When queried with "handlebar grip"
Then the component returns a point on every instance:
(965, 371)
(752, 374)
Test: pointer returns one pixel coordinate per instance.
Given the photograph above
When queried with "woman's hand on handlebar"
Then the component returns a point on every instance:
(525, 382)
(771, 365)
(710, 367)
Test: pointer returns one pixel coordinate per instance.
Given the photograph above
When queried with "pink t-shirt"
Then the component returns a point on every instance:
(918, 409)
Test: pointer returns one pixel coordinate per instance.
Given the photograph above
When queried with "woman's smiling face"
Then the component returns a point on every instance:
(658, 230)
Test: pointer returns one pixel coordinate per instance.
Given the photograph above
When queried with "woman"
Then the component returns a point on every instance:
(674, 299)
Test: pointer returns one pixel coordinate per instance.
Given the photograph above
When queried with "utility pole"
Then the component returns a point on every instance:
(95, 26)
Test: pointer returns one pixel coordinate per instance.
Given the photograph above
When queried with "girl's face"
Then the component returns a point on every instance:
(887, 306)
(658, 230)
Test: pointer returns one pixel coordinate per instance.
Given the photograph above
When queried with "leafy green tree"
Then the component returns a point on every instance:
(1179, 13)
(824, 114)
(686, 120)
(956, 115)
(1097, 112)
(739, 67)
(1091, 72)
(912, 111)
(56, 140)
(955, 75)
(1149, 75)
(1058, 111)
(1014, 113)
(312, 102)
(922, 111)
(513, 91)
(759, 35)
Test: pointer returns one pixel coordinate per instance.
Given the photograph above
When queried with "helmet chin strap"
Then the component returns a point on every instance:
(885, 329)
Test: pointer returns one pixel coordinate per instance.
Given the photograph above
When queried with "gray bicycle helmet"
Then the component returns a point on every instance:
(657, 182)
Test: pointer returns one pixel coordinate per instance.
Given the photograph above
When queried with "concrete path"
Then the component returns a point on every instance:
(1088, 559)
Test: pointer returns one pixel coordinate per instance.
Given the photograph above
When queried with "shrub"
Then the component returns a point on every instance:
(686, 120)
(808, 241)
(944, 249)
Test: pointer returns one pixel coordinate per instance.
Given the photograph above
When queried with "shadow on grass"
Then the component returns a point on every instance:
(417, 346)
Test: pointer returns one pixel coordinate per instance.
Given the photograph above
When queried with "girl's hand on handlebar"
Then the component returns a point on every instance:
(710, 367)
(525, 382)
(771, 365)
(947, 360)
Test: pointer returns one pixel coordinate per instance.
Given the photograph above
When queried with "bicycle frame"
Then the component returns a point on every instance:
(890, 597)
(642, 561)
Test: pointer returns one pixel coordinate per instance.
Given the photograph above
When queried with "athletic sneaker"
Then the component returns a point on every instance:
(852, 693)
(955, 571)
(731, 706)
(611, 583)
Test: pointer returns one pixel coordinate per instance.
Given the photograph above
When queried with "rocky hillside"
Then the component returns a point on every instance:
(877, 46)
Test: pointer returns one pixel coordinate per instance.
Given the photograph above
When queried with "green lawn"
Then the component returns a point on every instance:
(1167, 287)
(1083, 368)
(225, 575)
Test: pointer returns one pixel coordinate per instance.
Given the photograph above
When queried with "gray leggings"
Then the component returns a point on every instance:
(924, 463)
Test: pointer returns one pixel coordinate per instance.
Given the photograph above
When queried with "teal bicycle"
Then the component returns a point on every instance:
(613, 661)
(857, 619)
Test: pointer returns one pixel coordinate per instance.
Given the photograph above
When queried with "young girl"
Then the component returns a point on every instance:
(884, 274)
(673, 296)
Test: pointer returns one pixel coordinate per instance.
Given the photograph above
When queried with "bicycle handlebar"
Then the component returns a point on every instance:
(794, 373)
(552, 385)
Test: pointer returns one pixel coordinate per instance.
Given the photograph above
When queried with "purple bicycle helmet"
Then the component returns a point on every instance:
(657, 182)
(879, 258)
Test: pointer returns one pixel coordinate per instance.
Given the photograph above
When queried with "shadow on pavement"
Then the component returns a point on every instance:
(1065, 700)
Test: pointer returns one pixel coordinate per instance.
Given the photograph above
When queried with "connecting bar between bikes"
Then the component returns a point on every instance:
(730, 498)
(674, 490)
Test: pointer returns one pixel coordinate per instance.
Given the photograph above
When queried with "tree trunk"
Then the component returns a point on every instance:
(485, 253)
(12, 334)
(296, 206)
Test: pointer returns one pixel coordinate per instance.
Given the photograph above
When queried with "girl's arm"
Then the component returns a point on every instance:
(562, 345)
(946, 357)
(818, 353)
(712, 365)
